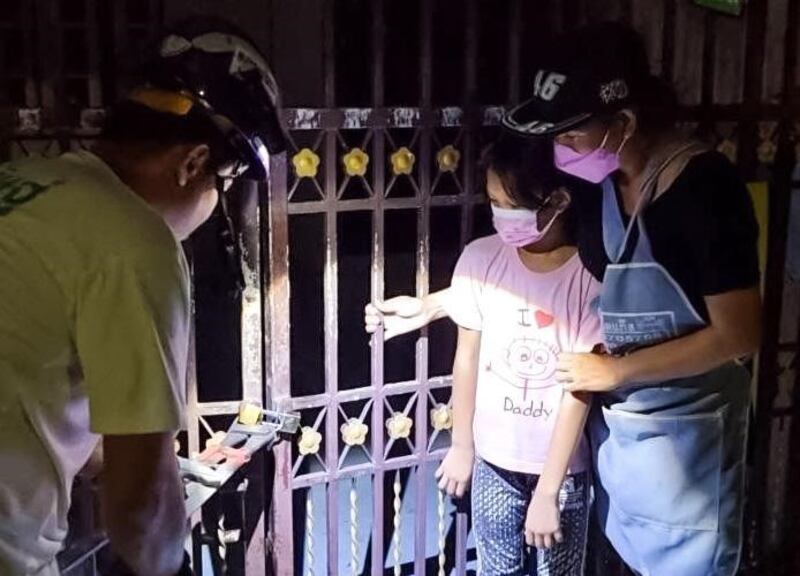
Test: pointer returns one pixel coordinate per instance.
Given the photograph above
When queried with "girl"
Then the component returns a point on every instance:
(521, 298)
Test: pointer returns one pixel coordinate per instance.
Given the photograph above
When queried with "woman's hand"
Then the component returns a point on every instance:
(543, 521)
(456, 470)
(589, 372)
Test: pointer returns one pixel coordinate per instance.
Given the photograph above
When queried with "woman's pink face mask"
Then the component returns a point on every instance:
(594, 166)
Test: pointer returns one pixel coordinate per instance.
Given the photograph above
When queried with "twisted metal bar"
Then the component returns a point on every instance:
(354, 527)
(222, 548)
(309, 535)
(442, 557)
(396, 522)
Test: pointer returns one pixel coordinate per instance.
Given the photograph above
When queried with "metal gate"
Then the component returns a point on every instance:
(736, 78)
(389, 173)
(364, 463)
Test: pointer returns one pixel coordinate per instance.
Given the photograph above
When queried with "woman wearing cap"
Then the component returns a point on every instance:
(673, 236)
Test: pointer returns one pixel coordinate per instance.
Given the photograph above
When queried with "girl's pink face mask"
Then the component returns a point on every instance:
(519, 227)
(594, 166)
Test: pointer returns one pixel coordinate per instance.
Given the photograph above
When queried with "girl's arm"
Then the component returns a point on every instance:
(542, 526)
(566, 435)
(456, 468)
(403, 314)
(734, 331)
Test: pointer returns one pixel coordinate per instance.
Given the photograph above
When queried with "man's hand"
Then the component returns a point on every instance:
(456, 470)
(543, 521)
(398, 315)
(589, 372)
(142, 502)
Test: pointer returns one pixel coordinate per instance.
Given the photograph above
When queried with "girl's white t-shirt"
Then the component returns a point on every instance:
(526, 320)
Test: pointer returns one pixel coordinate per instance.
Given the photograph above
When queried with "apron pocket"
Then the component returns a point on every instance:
(664, 470)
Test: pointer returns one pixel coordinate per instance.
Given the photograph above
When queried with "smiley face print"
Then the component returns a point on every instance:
(530, 359)
(526, 364)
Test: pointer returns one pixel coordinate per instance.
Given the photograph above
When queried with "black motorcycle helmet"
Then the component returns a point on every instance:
(202, 68)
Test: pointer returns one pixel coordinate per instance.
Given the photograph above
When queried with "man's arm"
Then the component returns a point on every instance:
(142, 502)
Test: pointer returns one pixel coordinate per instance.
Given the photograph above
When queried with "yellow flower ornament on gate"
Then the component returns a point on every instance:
(216, 440)
(729, 149)
(448, 158)
(442, 417)
(309, 441)
(306, 163)
(402, 161)
(399, 426)
(355, 162)
(354, 432)
(768, 147)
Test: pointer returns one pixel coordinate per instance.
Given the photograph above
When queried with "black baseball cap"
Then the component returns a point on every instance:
(591, 71)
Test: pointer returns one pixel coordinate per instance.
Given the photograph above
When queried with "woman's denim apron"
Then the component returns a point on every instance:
(669, 457)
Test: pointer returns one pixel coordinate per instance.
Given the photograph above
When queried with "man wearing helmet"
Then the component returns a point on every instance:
(94, 302)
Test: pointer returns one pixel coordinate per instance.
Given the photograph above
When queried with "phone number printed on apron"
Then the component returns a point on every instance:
(631, 328)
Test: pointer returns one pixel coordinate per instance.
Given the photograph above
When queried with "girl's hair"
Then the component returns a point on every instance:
(526, 169)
